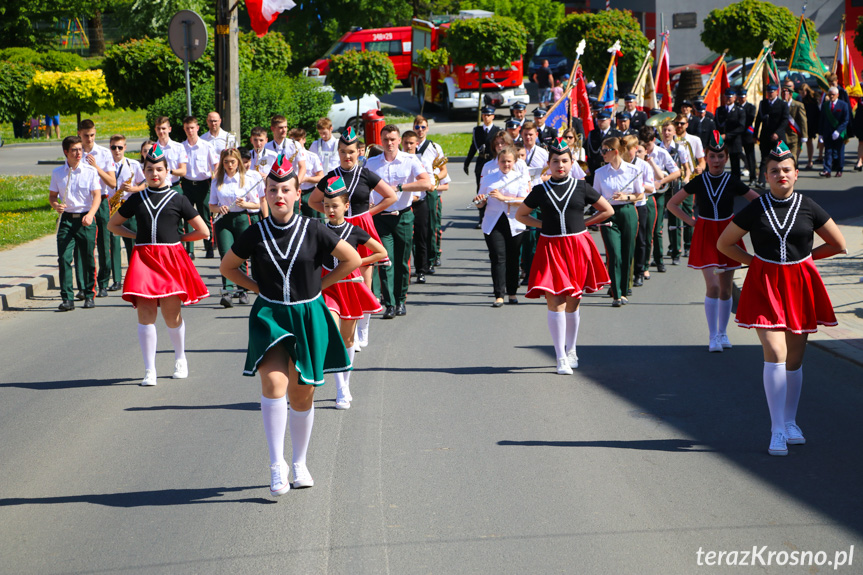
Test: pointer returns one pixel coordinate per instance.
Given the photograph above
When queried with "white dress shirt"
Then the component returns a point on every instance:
(404, 169)
(75, 187)
(626, 179)
(202, 157)
(219, 142)
(328, 153)
(175, 154)
(510, 184)
(230, 191)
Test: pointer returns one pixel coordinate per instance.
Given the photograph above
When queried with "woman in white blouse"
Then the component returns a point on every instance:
(621, 184)
(501, 191)
(231, 194)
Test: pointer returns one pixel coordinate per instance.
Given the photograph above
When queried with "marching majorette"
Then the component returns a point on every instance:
(349, 300)
(232, 193)
(714, 192)
(293, 340)
(360, 181)
(160, 273)
(567, 263)
(783, 297)
(75, 193)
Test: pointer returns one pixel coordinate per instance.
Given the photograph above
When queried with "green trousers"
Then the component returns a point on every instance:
(658, 247)
(73, 237)
(435, 214)
(228, 230)
(528, 244)
(396, 234)
(619, 240)
(677, 229)
(199, 195)
(306, 209)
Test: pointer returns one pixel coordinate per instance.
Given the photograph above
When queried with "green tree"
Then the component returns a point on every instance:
(14, 105)
(69, 92)
(743, 27)
(150, 18)
(271, 52)
(540, 17)
(355, 74)
(486, 42)
(600, 30)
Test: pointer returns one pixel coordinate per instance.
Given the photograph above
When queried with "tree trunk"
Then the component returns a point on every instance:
(97, 45)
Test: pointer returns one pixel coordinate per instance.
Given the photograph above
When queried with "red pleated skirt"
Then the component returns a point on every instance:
(569, 265)
(790, 297)
(703, 252)
(157, 271)
(364, 221)
(350, 300)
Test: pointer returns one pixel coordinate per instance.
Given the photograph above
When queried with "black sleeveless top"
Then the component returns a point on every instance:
(158, 213)
(360, 182)
(562, 204)
(715, 194)
(352, 234)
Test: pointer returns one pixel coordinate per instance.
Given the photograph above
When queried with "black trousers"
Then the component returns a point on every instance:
(749, 156)
(422, 232)
(198, 193)
(504, 250)
(480, 162)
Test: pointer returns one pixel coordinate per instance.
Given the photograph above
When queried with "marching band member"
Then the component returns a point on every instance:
(293, 339)
(536, 160)
(215, 135)
(282, 144)
(160, 275)
(175, 153)
(783, 296)
(644, 227)
(232, 192)
(714, 192)
(697, 164)
(326, 146)
(621, 184)
(130, 180)
(203, 159)
(480, 146)
(567, 262)
(666, 172)
(501, 193)
(431, 154)
(360, 182)
(75, 194)
(349, 300)
(680, 154)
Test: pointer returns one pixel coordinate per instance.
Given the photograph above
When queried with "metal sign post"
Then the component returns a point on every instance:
(187, 35)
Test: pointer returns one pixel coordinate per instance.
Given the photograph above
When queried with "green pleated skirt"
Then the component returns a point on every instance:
(305, 332)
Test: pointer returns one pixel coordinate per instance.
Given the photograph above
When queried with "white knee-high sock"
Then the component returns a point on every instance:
(147, 339)
(794, 386)
(341, 383)
(351, 354)
(710, 309)
(557, 327)
(275, 413)
(363, 327)
(723, 314)
(775, 390)
(301, 423)
(178, 340)
(572, 321)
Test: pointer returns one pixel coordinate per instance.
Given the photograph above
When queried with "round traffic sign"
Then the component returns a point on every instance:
(187, 26)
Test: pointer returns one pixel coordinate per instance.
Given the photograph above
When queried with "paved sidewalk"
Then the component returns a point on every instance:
(843, 276)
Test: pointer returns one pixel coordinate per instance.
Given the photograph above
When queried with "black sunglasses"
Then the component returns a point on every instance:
(604, 151)
(421, 127)
(680, 123)
(118, 147)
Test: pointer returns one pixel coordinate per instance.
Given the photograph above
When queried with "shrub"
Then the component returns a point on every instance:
(354, 74)
(20, 55)
(13, 91)
(262, 95)
(62, 61)
(69, 92)
(270, 52)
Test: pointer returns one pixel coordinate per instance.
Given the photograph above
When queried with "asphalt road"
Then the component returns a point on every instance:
(463, 451)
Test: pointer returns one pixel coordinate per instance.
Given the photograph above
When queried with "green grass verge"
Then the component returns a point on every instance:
(24, 210)
(452, 144)
(130, 123)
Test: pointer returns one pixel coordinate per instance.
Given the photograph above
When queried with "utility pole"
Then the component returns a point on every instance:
(227, 66)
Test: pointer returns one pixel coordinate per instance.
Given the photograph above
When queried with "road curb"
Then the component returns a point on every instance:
(13, 296)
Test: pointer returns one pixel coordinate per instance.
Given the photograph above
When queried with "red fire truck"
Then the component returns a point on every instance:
(394, 42)
(457, 87)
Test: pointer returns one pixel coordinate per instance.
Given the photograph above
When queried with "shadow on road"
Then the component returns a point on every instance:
(145, 498)
(676, 445)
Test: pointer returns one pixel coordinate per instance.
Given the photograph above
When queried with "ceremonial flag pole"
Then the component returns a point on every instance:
(710, 80)
(804, 58)
(613, 51)
(572, 78)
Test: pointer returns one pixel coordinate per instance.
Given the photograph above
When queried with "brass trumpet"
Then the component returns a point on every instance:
(437, 163)
(115, 201)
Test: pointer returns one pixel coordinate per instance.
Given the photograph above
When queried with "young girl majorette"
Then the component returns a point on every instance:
(293, 339)
(360, 182)
(783, 296)
(348, 299)
(567, 262)
(714, 192)
(160, 273)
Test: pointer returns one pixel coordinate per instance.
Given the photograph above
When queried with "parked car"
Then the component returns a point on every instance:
(558, 63)
(343, 112)
(705, 66)
(737, 74)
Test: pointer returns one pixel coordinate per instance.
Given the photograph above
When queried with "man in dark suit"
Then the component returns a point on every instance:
(835, 115)
(517, 111)
(771, 122)
(731, 123)
(602, 131)
(624, 124)
(706, 125)
(544, 134)
(480, 146)
(748, 139)
(637, 117)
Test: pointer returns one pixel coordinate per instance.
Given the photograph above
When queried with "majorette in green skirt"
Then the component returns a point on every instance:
(306, 332)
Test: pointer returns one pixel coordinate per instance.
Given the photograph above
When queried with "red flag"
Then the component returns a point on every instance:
(717, 88)
(581, 102)
(262, 13)
(663, 75)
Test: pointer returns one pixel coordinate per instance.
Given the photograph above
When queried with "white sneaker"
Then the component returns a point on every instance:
(181, 369)
(342, 403)
(563, 366)
(778, 445)
(302, 477)
(279, 484)
(744, 172)
(723, 339)
(793, 434)
(572, 356)
(362, 337)
(715, 345)
(149, 378)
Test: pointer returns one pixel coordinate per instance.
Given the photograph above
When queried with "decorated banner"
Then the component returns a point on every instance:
(716, 85)
(609, 84)
(663, 74)
(804, 58)
(644, 88)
